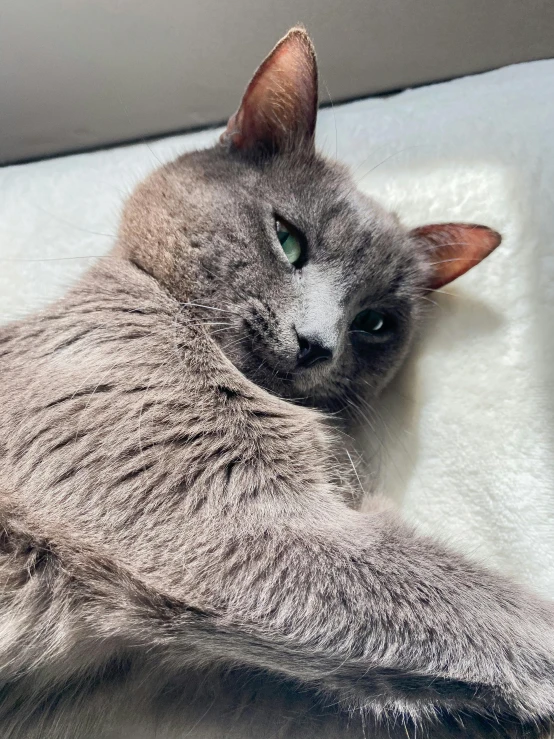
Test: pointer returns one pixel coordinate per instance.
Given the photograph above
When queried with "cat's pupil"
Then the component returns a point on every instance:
(370, 321)
(290, 243)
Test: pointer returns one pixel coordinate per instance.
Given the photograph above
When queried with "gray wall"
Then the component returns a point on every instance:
(79, 73)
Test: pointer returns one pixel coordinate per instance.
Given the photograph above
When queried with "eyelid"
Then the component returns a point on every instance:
(297, 233)
(290, 226)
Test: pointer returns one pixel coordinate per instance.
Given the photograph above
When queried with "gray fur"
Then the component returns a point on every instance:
(173, 511)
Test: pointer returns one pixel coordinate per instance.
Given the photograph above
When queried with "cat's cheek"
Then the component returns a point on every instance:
(376, 365)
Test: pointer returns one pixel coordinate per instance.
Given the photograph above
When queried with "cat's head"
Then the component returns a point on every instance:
(311, 288)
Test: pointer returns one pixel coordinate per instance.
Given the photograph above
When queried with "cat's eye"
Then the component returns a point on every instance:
(290, 241)
(371, 322)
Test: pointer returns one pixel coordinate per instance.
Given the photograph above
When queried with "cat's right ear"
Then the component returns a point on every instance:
(279, 108)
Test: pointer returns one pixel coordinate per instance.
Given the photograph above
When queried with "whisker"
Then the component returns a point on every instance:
(144, 141)
(228, 284)
(221, 330)
(188, 324)
(433, 302)
(379, 417)
(233, 343)
(56, 259)
(334, 116)
(355, 471)
(454, 259)
(60, 219)
(386, 427)
(383, 161)
(210, 307)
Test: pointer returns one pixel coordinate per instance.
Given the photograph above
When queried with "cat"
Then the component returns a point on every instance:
(174, 509)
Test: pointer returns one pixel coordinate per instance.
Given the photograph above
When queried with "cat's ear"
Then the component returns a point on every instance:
(454, 248)
(279, 108)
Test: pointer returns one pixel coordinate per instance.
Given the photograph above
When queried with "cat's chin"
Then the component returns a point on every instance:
(309, 386)
(323, 387)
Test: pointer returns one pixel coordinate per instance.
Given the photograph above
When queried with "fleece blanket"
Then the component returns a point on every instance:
(465, 435)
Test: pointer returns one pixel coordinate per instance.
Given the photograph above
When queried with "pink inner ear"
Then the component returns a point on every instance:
(454, 248)
(279, 106)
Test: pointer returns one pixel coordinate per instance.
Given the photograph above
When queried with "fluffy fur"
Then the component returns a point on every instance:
(167, 518)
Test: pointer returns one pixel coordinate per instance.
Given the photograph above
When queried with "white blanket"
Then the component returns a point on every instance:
(468, 441)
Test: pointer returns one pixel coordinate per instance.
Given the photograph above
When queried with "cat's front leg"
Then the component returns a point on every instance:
(386, 621)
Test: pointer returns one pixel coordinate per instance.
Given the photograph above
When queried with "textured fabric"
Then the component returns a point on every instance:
(467, 440)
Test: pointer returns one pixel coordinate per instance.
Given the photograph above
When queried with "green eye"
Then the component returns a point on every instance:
(370, 322)
(289, 241)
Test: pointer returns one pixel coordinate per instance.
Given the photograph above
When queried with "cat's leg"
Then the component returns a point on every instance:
(354, 605)
(386, 620)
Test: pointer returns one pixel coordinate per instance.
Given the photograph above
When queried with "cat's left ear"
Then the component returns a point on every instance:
(279, 108)
(454, 248)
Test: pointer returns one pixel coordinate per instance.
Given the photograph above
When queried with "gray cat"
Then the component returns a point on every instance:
(173, 504)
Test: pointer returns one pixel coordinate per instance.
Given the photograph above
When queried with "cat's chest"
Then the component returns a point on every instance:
(112, 420)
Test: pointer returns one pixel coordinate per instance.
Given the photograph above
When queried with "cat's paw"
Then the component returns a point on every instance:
(505, 691)
(521, 699)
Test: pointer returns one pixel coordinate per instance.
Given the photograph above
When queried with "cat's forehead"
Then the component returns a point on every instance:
(350, 238)
(349, 234)
(317, 196)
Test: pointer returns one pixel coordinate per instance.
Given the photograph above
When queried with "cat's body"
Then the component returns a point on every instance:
(167, 517)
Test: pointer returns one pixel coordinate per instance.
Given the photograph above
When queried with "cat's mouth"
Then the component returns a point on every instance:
(304, 381)
(287, 373)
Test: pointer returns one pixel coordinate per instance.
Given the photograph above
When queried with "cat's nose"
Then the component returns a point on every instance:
(311, 351)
